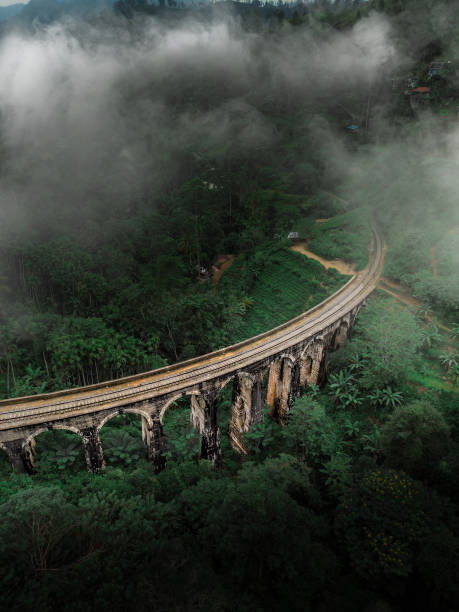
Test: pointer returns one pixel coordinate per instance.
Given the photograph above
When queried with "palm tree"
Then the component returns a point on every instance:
(390, 398)
(60, 448)
(449, 360)
(386, 397)
(343, 389)
(121, 447)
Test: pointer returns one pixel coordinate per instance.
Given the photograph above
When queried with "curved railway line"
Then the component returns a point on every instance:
(19, 416)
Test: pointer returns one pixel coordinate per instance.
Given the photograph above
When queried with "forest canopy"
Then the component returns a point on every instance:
(175, 179)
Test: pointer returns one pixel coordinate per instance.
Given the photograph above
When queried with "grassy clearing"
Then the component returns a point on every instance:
(280, 286)
(345, 236)
(433, 382)
(429, 373)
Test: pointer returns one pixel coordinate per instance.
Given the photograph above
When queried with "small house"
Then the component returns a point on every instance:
(436, 68)
(420, 90)
(419, 97)
(203, 272)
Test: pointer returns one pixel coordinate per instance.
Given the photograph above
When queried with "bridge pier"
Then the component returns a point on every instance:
(246, 407)
(282, 387)
(155, 441)
(20, 456)
(305, 370)
(204, 417)
(313, 365)
(93, 451)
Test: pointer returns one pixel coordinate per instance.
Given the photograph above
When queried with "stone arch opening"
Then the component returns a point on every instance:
(225, 402)
(54, 449)
(182, 441)
(123, 435)
(191, 424)
(171, 402)
(341, 334)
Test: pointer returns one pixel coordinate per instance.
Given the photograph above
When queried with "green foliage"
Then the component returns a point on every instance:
(415, 438)
(387, 397)
(381, 521)
(449, 360)
(280, 284)
(120, 293)
(38, 531)
(121, 448)
(85, 345)
(263, 438)
(59, 450)
(345, 236)
(387, 339)
(343, 389)
(183, 441)
(310, 433)
(338, 472)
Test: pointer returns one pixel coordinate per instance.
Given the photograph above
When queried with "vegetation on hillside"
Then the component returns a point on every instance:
(222, 139)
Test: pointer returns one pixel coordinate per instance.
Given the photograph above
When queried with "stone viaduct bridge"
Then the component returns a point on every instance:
(293, 355)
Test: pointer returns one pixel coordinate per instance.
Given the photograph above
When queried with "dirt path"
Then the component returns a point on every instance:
(338, 264)
(398, 292)
(223, 263)
(402, 297)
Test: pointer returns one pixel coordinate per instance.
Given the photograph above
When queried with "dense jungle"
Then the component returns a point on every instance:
(173, 180)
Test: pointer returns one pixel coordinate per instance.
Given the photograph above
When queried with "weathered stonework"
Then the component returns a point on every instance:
(246, 408)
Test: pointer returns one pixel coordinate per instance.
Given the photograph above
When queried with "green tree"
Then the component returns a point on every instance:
(310, 433)
(415, 438)
(38, 531)
(388, 339)
(381, 522)
(59, 450)
(121, 448)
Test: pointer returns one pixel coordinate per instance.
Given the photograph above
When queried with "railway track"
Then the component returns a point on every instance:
(224, 362)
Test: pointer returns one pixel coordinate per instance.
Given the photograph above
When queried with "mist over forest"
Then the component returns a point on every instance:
(173, 180)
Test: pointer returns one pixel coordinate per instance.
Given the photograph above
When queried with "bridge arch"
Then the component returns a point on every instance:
(29, 441)
(173, 399)
(120, 411)
(288, 357)
(218, 387)
(28, 451)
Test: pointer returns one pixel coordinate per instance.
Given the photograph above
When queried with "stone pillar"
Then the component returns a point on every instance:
(204, 417)
(246, 408)
(305, 370)
(20, 456)
(316, 374)
(279, 395)
(295, 387)
(285, 398)
(257, 413)
(155, 441)
(273, 383)
(93, 452)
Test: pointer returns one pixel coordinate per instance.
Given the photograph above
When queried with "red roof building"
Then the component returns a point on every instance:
(421, 90)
